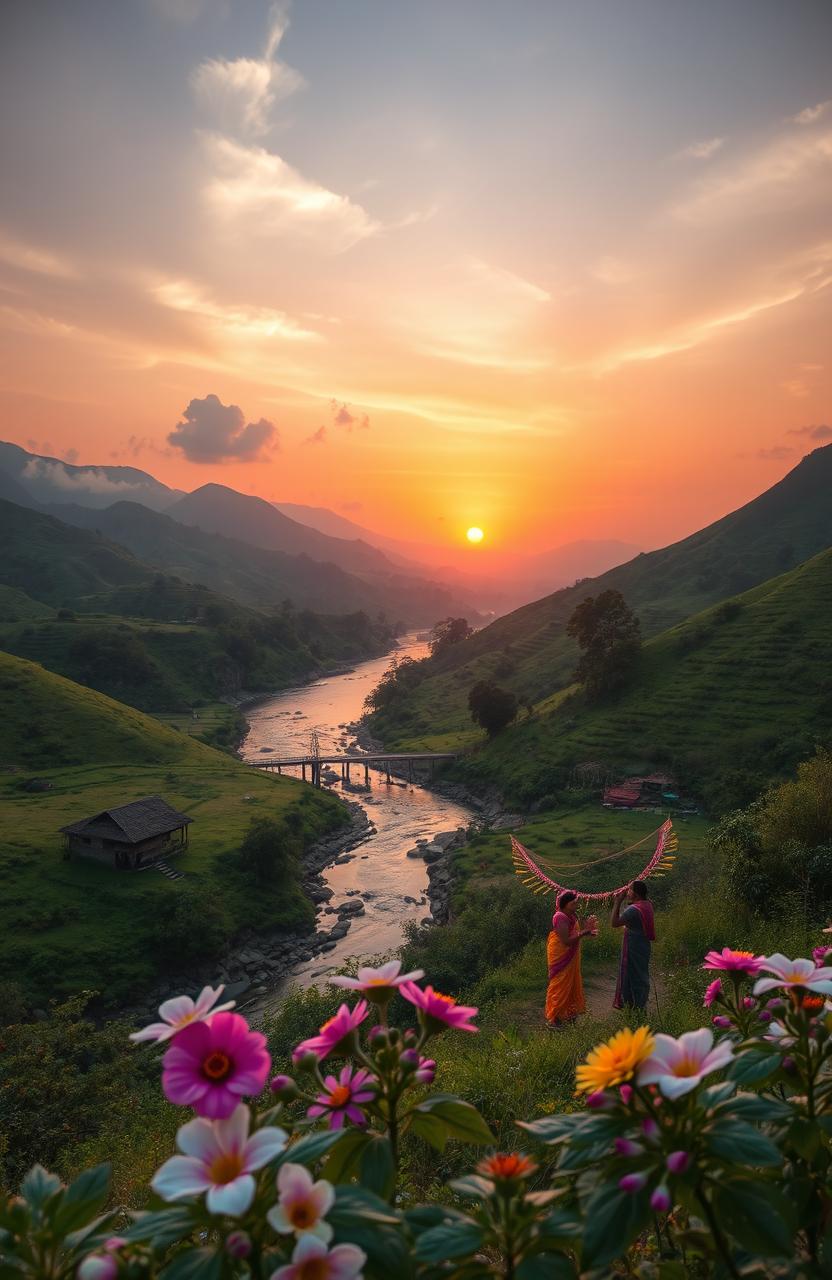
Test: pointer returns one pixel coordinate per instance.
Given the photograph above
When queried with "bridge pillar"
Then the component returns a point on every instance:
(366, 775)
(303, 770)
(387, 770)
(410, 769)
(347, 766)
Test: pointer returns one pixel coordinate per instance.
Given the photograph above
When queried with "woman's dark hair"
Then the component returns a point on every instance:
(566, 897)
(640, 889)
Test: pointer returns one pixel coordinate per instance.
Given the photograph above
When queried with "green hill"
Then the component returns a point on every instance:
(67, 753)
(528, 650)
(727, 700)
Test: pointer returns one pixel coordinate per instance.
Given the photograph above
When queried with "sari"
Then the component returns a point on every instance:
(565, 992)
(633, 987)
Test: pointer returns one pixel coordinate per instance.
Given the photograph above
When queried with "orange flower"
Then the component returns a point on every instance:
(507, 1168)
(615, 1061)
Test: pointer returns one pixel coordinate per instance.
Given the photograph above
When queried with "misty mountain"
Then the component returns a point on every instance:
(42, 480)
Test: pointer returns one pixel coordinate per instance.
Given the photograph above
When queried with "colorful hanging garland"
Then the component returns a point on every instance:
(538, 881)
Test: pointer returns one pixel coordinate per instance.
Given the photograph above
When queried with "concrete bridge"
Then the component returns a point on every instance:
(387, 762)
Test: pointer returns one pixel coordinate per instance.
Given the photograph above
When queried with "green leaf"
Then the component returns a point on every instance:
(754, 1106)
(473, 1187)
(461, 1120)
(430, 1128)
(343, 1157)
(377, 1169)
(756, 1215)
(805, 1137)
(717, 1093)
(552, 1129)
(83, 1199)
(161, 1228)
(752, 1066)
(740, 1143)
(546, 1266)
(308, 1149)
(613, 1219)
(564, 1224)
(450, 1240)
(353, 1202)
(39, 1186)
(194, 1264)
(360, 1217)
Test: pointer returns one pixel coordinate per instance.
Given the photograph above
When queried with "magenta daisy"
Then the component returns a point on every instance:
(712, 992)
(302, 1205)
(734, 961)
(378, 984)
(181, 1011)
(794, 973)
(437, 1011)
(333, 1033)
(312, 1260)
(343, 1096)
(218, 1158)
(211, 1065)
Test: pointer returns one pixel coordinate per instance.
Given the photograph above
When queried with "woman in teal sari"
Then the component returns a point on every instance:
(636, 920)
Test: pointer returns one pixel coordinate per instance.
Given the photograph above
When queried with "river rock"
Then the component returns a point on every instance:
(236, 989)
(354, 908)
(340, 930)
(416, 852)
(328, 946)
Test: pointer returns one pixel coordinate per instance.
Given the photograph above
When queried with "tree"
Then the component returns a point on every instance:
(269, 851)
(447, 633)
(609, 636)
(491, 707)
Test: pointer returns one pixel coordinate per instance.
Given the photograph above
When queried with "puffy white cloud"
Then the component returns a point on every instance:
(810, 115)
(241, 92)
(259, 193)
(215, 432)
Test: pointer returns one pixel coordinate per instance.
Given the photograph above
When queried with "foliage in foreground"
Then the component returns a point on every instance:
(690, 1157)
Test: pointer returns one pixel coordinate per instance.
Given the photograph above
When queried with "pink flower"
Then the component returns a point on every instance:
(734, 961)
(712, 991)
(678, 1162)
(340, 1102)
(425, 1071)
(181, 1011)
(626, 1093)
(210, 1065)
(633, 1183)
(598, 1101)
(794, 973)
(333, 1033)
(649, 1128)
(219, 1158)
(238, 1245)
(660, 1201)
(98, 1266)
(378, 984)
(312, 1260)
(626, 1147)
(819, 955)
(721, 1021)
(677, 1066)
(302, 1204)
(438, 1011)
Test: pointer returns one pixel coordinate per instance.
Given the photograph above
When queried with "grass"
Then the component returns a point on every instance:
(78, 924)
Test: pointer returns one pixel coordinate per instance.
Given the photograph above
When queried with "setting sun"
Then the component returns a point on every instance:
(474, 534)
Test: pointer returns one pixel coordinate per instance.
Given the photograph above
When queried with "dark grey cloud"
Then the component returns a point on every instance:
(343, 416)
(317, 437)
(819, 432)
(215, 432)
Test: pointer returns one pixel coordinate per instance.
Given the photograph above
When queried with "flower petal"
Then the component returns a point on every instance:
(179, 1177)
(677, 1086)
(154, 1031)
(199, 1138)
(232, 1131)
(346, 1261)
(263, 1146)
(232, 1198)
(176, 1009)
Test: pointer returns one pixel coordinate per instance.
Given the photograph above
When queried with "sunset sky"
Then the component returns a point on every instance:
(556, 268)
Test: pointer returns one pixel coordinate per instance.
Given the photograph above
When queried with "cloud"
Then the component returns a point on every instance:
(775, 454)
(71, 456)
(796, 387)
(819, 432)
(342, 417)
(703, 150)
(26, 257)
(241, 92)
(82, 480)
(215, 432)
(811, 115)
(317, 437)
(258, 193)
(235, 321)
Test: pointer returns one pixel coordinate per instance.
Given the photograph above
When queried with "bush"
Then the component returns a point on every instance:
(270, 850)
(491, 707)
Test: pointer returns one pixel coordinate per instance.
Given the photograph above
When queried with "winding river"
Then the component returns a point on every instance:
(391, 885)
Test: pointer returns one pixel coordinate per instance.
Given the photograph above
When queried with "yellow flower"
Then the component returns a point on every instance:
(615, 1061)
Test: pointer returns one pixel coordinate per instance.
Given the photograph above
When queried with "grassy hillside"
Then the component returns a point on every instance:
(71, 925)
(728, 699)
(529, 652)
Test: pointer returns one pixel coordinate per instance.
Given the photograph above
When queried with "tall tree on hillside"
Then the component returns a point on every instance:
(447, 633)
(491, 707)
(609, 637)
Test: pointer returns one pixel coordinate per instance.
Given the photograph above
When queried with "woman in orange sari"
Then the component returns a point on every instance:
(565, 992)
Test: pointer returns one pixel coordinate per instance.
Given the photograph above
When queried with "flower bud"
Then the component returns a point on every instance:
(660, 1201)
(748, 1002)
(625, 1093)
(284, 1088)
(379, 1038)
(649, 1127)
(678, 1162)
(238, 1244)
(721, 1021)
(625, 1147)
(426, 1071)
(307, 1061)
(764, 1016)
(114, 1243)
(98, 1266)
(598, 1101)
(408, 1059)
(633, 1183)
(789, 1065)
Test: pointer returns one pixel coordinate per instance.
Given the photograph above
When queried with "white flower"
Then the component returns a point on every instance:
(677, 1066)
(302, 1204)
(794, 973)
(220, 1158)
(311, 1258)
(387, 977)
(182, 1010)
